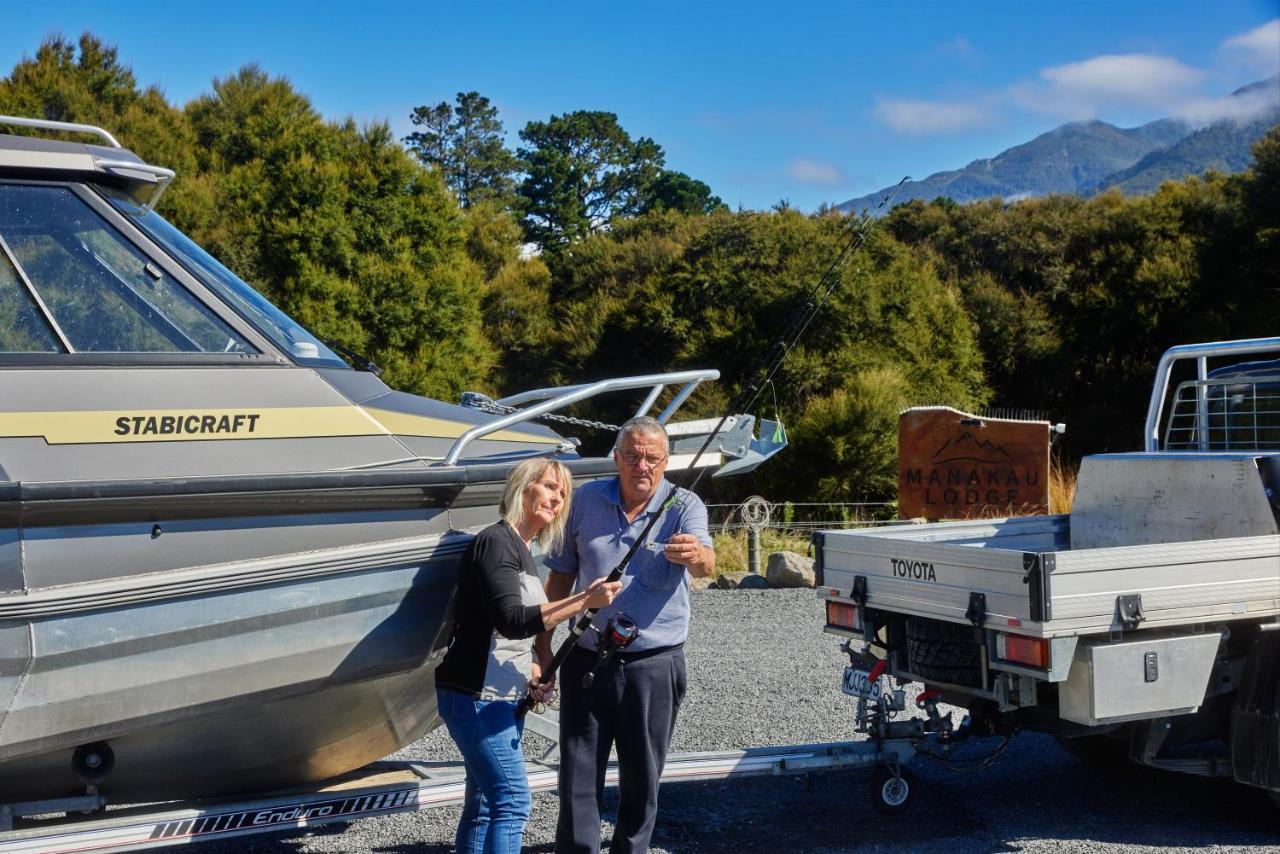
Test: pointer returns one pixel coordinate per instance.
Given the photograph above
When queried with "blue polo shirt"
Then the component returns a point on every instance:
(655, 591)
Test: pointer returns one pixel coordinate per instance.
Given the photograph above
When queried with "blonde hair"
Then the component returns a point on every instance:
(519, 479)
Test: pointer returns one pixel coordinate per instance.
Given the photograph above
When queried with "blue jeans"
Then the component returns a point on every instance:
(497, 802)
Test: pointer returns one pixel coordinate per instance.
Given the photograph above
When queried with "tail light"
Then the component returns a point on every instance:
(844, 615)
(1033, 652)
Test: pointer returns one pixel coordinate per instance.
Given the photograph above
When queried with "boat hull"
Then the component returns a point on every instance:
(255, 687)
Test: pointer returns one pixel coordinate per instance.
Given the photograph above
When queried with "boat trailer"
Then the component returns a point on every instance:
(79, 824)
(378, 789)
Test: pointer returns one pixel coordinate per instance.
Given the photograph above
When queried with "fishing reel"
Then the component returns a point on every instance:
(619, 632)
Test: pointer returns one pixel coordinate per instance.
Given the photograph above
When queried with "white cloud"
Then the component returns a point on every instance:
(813, 172)
(1241, 108)
(931, 117)
(1115, 87)
(1100, 86)
(1086, 89)
(1258, 48)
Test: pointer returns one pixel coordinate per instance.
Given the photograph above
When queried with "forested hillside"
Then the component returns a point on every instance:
(410, 251)
(1074, 300)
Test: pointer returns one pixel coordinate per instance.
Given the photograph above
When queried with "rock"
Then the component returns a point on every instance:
(788, 569)
(728, 580)
(701, 582)
(741, 581)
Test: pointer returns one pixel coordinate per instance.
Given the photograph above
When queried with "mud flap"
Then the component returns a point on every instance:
(1255, 720)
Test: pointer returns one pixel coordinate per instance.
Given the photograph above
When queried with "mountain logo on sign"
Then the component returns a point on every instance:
(967, 448)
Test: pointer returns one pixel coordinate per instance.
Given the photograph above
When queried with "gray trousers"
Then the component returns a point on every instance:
(632, 703)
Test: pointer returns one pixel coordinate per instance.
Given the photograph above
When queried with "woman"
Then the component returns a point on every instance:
(500, 607)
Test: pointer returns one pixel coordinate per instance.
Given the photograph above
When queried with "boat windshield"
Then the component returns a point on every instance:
(287, 333)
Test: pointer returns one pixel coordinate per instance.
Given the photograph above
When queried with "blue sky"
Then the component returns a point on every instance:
(809, 102)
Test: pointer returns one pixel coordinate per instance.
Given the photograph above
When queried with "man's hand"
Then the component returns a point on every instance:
(685, 550)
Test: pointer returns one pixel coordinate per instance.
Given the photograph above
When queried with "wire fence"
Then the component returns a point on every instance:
(802, 517)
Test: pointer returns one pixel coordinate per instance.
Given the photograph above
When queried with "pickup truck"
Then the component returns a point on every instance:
(1144, 623)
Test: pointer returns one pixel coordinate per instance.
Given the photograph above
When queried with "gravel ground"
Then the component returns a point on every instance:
(761, 672)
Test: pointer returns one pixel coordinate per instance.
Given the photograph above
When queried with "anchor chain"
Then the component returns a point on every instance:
(476, 400)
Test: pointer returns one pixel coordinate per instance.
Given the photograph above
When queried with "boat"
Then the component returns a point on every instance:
(227, 556)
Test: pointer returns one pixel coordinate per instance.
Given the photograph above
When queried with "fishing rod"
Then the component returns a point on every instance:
(801, 318)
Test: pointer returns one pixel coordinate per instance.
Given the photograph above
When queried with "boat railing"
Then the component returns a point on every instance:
(131, 170)
(65, 127)
(560, 397)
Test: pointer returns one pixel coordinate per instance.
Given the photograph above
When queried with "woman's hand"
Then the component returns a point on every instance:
(538, 692)
(542, 693)
(601, 593)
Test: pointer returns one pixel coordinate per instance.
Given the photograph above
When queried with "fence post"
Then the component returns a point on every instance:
(755, 513)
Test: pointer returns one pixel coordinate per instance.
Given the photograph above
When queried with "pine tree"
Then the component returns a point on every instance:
(465, 144)
(582, 170)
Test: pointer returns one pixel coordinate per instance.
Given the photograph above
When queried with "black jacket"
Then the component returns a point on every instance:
(488, 600)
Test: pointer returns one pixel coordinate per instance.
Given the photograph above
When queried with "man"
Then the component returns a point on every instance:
(633, 700)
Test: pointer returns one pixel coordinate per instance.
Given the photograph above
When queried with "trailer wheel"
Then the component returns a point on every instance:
(944, 652)
(891, 793)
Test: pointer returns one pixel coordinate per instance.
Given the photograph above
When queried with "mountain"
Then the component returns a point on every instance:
(1084, 157)
(1063, 160)
(1223, 146)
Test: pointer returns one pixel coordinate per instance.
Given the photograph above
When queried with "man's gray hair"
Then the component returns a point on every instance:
(645, 425)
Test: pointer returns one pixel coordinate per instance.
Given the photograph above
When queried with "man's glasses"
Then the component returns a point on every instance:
(633, 459)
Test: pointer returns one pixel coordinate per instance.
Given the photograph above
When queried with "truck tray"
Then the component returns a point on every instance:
(1032, 580)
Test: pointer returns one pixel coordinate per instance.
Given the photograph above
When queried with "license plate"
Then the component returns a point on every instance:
(857, 683)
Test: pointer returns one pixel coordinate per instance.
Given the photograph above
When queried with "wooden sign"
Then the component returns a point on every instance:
(953, 465)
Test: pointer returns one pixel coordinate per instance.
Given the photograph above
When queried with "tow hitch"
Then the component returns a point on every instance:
(892, 743)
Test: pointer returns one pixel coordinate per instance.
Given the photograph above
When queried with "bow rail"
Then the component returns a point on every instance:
(560, 397)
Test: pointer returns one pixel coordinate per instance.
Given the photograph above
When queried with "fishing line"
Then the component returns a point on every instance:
(800, 320)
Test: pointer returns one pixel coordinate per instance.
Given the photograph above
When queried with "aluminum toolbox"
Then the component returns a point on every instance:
(1112, 681)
